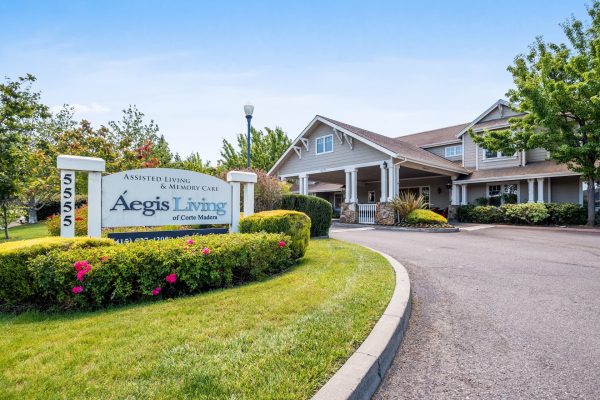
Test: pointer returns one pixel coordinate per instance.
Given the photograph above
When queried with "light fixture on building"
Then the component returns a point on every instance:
(449, 185)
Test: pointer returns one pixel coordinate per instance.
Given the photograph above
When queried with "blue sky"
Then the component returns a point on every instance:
(389, 66)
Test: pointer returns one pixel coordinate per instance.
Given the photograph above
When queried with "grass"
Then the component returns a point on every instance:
(281, 338)
(24, 232)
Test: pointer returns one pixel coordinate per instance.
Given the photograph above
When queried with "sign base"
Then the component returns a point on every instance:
(129, 237)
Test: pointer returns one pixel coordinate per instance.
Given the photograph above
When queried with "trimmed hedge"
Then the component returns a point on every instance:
(319, 210)
(81, 222)
(422, 216)
(126, 273)
(292, 223)
(525, 213)
(15, 278)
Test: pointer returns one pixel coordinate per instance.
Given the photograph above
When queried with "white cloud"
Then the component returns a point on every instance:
(93, 108)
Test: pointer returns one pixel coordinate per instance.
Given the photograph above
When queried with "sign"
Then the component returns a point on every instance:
(164, 196)
(67, 203)
(128, 237)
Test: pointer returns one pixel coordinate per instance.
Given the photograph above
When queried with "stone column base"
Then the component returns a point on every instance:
(453, 213)
(385, 214)
(349, 213)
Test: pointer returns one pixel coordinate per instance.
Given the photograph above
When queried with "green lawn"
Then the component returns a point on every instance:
(26, 231)
(281, 338)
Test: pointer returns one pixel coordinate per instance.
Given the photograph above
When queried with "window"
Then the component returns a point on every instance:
(494, 155)
(371, 196)
(418, 190)
(504, 193)
(324, 144)
(453, 151)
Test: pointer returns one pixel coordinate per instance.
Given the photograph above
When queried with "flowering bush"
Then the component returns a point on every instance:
(81, 226)
(92, 278)
(292, 223)
(15, 278)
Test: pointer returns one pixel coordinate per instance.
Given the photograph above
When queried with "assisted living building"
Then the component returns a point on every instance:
(360, 171)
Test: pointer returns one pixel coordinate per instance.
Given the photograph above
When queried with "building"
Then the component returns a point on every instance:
(361, 171)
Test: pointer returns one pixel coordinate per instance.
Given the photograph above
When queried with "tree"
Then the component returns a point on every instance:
(558, 85)
(194, 162)
(266, 149)
(139, 142)
(20, 107)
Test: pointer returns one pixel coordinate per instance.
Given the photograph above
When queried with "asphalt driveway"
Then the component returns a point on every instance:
(498, 313)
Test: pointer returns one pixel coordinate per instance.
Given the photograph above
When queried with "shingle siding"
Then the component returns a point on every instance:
(496, 114)
(342, 155)
(469, 151)
(538, 154)
(441, 151)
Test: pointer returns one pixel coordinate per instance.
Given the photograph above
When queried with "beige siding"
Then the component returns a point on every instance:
(341, 156)
(469, 151)
(538, 154)
(496, 114)
(474, 191)
(491, 163)
(437, 200)
(441, 151)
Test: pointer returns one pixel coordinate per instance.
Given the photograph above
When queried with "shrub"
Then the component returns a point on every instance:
(292, 223)
(566, 214)
(81, 220)
(125, 273)
(482, 201)
(486, 214)
(509, 198)
(15, 279)
(406, 203)
(421, 216)
(529, 213)
(464, 213)
(319, 210)
(52, 207)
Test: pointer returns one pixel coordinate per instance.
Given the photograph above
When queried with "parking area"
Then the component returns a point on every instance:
(498, 313)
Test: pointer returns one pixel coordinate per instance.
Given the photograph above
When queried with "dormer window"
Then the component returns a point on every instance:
(453, 151)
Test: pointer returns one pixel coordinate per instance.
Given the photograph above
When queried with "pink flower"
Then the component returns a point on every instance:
(81, 273)
(77, 289)
(190, 241)
(171, 278)
(281, 243)
(79, 265)
(206, 251)
(156, 291)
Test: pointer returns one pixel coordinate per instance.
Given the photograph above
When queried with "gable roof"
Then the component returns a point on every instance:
(434, 137)
(390, 146)
(482, 116)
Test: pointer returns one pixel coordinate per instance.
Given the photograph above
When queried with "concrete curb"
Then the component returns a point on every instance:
(362, 373)
(400, 228)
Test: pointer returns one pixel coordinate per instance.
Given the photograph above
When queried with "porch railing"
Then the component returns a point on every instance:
(366, 213)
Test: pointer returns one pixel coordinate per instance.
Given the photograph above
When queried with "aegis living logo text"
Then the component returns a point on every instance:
(150, 207)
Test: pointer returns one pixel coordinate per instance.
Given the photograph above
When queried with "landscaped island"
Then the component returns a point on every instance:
(280, 338)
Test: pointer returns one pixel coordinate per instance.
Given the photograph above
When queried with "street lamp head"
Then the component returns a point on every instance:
(248, 110)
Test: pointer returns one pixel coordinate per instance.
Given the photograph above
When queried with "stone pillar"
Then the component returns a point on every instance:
(384, 214)
(540, 193)
(348, 213)
(383, 182)
(455, 196)
(530, 191)
(463, 197)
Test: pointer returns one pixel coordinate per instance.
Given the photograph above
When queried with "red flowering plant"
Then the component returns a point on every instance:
(82, 268)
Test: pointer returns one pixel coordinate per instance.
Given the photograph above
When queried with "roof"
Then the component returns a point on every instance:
(494, 123)
(542, 168)
(400, 148)
(434, 136)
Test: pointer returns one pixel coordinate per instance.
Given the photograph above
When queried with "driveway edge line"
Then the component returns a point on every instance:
(362, 373)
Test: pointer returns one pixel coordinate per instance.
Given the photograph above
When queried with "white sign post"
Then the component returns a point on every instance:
(152, 197)
(67, 166)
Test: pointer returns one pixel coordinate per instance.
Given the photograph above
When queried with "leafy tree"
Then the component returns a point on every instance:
(558, 85)
(194, 162)
(139, 142)
(20, 107)
(266, 149)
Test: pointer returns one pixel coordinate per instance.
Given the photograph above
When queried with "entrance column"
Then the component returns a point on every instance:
(530, 191)
(463, 197)
(348, 188)
(354, 174)
(383, 182)
(391, 182)
(455, 197)
(540, 193)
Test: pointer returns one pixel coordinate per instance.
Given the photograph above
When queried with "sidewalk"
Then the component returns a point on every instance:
(581, 229)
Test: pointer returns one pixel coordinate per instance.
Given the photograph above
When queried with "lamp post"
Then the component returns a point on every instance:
(248, 110)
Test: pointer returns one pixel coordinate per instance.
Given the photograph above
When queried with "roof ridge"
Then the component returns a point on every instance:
(433, 130)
